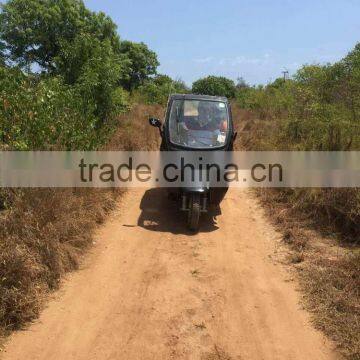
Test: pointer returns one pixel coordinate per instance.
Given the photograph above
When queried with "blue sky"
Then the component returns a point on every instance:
(255, 39)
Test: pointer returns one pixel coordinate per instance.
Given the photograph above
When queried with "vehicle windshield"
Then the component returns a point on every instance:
(199, 124)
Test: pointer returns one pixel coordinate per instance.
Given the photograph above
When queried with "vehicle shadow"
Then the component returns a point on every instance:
(160, 213)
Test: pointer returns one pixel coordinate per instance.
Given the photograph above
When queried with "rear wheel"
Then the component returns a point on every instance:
(194, 212)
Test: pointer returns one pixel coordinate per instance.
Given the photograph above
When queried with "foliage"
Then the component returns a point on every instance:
(65, 39)
(34, 31)
(158, 89)
(141, 63)
(214, 85)
(271, 101)
(79, 54)
(38, 113)
(319, 109)
(94, 69)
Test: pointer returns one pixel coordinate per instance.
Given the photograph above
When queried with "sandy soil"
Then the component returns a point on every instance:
(151, 290)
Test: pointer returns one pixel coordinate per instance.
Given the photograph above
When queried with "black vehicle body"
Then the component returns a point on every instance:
(200, 198)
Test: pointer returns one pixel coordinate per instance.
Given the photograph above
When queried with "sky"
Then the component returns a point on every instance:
(253, 39)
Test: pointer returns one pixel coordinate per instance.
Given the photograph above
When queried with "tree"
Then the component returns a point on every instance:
(93, 68)
(34, 31)
(68, 41)
(181, 86)
(215, 85)
(157, 90)
(142, 63)
(176, 86)
(47, 32)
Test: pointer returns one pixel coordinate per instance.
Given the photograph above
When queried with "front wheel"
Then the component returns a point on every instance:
(194, 212)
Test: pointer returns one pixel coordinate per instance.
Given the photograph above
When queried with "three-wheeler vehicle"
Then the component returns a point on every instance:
(198, 123)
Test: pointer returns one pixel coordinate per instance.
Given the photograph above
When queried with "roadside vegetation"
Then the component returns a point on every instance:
(65, 84)
(45, 232)
(318, 109)
(156, 90)
(215, 86)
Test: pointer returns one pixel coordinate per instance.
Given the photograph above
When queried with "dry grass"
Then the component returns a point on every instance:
(328, 271)
(43, 235)
(252, 132)
(331, 210)
(135, 133)
(45, 232)
(332, 288)
(322, 229)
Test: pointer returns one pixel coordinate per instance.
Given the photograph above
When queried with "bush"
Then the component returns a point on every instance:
(158, 89)
(215, 86)
(319, 109)
(93, 68)
(44, 113)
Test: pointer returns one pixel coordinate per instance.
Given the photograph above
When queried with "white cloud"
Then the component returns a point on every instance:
(240, 60)
(204, 60)
(234, 61)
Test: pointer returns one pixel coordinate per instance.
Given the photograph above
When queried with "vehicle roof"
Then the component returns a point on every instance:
(197, 97)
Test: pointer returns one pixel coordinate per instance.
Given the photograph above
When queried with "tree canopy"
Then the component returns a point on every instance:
(141, 63)
(60, 37)
(65, 64)
(35, 31)
(216, 86)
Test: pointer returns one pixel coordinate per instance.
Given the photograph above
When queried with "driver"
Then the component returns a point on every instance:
(205, 119)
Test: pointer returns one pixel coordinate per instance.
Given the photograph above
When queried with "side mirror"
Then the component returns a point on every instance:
(155, 122)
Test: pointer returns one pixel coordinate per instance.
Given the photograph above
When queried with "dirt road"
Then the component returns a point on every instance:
(150, 290)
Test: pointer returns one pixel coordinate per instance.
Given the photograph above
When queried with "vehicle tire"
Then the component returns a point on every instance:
(194, 212)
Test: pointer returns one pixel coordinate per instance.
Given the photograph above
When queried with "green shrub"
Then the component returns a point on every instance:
(39, 114)
(215, 86)
(93, 68)
(314, 111)
(319, 109)
(158, 89)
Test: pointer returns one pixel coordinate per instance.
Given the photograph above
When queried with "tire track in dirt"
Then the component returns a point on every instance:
(151, 290)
